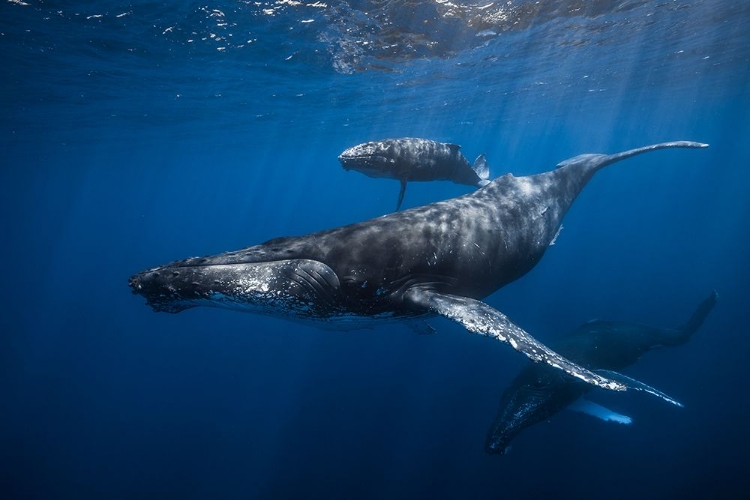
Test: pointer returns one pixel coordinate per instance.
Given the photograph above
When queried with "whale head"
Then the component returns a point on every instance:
(299, 288)
(374, 159)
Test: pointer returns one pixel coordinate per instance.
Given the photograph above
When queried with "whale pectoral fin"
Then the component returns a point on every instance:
(599, 161)
(401, 195)
(478, 317)
(636, 385)
(582, 405)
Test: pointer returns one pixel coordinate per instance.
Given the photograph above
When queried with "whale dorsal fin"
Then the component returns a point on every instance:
(579, 159)
(453, 147)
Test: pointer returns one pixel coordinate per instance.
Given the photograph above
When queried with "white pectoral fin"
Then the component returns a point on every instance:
(478, 317)
(589, 408)
(636, 385)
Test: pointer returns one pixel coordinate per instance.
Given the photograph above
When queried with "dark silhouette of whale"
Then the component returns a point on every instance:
(410, 159)
(439, 258)
(538, 392)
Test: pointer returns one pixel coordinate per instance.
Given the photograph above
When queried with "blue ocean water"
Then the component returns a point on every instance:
(138, 133)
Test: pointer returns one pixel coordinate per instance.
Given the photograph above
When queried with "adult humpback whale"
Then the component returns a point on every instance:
(537, 393)
(411, 159)
(439, 258)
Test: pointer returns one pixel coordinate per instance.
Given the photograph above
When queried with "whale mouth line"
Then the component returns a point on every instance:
(365, 157)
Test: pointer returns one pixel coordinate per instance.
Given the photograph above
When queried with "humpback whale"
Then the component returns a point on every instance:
(537, 393)
(440, 258)
(411, 159)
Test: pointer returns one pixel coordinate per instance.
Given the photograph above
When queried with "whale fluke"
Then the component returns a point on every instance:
(698, 317)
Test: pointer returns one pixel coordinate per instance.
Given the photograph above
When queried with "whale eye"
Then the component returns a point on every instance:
(539, 383)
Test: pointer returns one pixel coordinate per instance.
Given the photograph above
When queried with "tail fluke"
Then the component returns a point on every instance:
(482, 170)
(699, 316)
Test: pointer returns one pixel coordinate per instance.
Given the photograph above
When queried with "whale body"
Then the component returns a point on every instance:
(411, 159)
(537, 393)
(441, 258)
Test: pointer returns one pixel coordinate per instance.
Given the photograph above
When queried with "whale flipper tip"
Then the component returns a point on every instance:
(478, 317)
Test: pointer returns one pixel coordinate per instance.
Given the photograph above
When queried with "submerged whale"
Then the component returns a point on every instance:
(440, 258)
(537, 393)
(410, 159)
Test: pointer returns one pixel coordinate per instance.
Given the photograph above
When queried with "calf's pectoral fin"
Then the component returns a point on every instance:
(401, 194)
(478, 317)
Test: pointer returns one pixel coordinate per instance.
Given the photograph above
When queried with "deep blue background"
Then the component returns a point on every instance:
(124, 148)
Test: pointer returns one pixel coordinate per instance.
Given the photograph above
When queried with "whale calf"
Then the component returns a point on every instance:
(411, 159)
(537, 393)
(440, 258)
